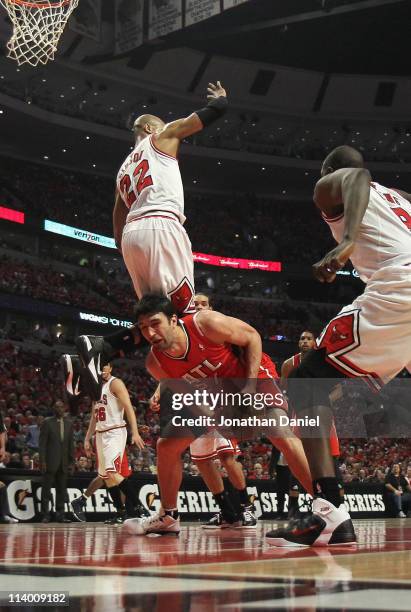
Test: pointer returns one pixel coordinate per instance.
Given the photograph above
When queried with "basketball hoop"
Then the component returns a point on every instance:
(37, 27)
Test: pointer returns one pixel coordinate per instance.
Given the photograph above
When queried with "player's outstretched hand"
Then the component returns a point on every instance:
(215, 91)
(326, 270)
(137, 440)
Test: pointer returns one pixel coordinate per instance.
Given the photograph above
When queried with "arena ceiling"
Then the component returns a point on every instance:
(346, 36)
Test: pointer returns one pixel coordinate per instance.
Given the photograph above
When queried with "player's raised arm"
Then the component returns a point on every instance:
(182, 128)
(120, 212)
(222, 329)
(119, 389)
(344, 191)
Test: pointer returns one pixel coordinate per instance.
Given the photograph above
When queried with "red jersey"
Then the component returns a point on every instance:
(334, 442)
(206, 359)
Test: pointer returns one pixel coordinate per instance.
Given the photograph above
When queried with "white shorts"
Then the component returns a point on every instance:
(110, 446)
(371, 337)
(158, 256)
(211, 445)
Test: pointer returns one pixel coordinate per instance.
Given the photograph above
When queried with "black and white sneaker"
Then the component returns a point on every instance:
(72, 370)
(77, 507)
(327, 526)
(217, 522)
(90, 349)
(249, 520)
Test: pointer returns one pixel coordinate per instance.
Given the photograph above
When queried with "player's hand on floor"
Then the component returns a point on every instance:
(137, 440)
(215, 91)
(326, 270)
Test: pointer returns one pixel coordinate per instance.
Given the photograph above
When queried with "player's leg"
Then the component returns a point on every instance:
(293, 497)
(204, 452)
(79, 504)
(169, 475)
(236, 477)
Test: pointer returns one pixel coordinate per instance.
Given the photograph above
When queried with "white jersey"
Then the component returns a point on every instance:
(108, 411)
(149, 181)
(384, 239)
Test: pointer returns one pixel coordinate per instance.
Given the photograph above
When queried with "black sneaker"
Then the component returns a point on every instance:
(90, 349)
(117, 519)
(248, 520)
(217, 522)
(77, 508)
(72, 370)
(327, 526)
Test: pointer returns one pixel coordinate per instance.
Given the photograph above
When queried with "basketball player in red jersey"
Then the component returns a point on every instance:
(368, 339)
(210, 446)
(307, 343)
(195, 348)
(148, 220)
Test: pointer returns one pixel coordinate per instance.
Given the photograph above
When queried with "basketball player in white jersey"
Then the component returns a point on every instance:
(148, 220)
(108, 424)
(209, 447)
(370, 339)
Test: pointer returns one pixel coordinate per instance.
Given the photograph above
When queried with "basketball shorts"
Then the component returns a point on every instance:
(158, 256)
(111, 453)
(371, 338)
(211, 445)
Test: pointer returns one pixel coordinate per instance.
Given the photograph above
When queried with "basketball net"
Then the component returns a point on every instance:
(37, 27)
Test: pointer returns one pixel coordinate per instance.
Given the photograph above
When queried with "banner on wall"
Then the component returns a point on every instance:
(86, 19)
(231, 3)
(194, 500)
(198, 10)
(128, 28)
(165, 16)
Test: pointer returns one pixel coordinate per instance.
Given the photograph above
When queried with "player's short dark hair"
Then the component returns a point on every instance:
(153, 303)
(308, 331)
(344, 157)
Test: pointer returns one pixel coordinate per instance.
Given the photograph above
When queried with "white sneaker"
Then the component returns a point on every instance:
(10, 519)
(326, 526)
(161, 524)
(402, 515)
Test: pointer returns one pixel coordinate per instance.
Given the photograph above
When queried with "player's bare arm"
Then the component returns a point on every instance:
(286, 369)
(155, 370)
(346, 190)
(120, 212)
(222, 329)
(2, 445)
(168, 140)
(119, 389)
(90, 432)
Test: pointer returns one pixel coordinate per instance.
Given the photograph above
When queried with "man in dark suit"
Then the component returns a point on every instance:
(56, 449)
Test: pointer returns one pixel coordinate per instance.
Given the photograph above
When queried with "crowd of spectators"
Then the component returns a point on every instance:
(30, 383)
(248, 226)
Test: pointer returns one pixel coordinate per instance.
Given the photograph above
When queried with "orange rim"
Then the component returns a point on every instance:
(39, 5)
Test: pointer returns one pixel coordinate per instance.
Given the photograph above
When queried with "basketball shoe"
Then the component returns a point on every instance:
(161, 523)
(72, 371)
(247, 521)
(78, 506)
(90, 349)
(326, 526)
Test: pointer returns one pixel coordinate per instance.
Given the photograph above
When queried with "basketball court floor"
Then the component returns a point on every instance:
(102, 568)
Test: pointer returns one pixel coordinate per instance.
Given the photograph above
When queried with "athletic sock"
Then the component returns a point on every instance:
(115, 495)
(228, 511)
(173, 512)
(293, 506)
(127, 488)
(327, 488)
(244, 497)
(122, 341)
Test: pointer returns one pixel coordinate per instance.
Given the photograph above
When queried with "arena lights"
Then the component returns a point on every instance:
(205, 258)
(12, 215)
